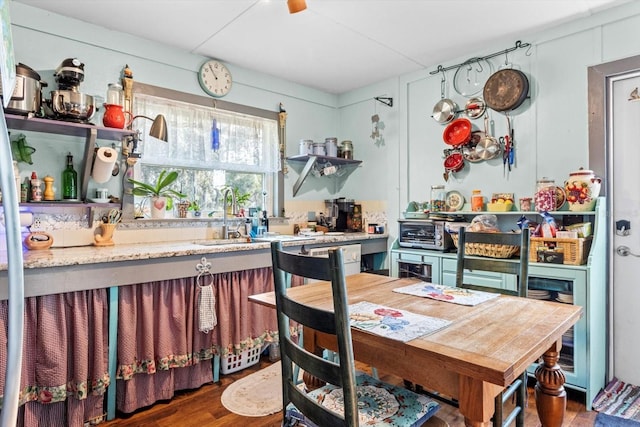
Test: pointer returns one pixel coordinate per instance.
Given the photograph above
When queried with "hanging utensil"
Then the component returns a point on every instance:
(509, 139)
(488, 147)
(445, 110)
(506, 89)
(116, 166)
(471, 76)
(475, 108)
(469, 149)
(457, 132)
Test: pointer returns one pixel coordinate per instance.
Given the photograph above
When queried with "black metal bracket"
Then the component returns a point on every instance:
(518, 45)
(385, 100)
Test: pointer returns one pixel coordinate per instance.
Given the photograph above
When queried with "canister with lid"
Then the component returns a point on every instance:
(331, 147)
(115, 94)
(346, 150)
(318, 149)
(306, 147)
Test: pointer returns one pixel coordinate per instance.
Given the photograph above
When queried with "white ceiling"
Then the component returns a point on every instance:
(333, 45)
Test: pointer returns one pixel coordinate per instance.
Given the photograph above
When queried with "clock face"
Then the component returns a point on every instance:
(215, 78)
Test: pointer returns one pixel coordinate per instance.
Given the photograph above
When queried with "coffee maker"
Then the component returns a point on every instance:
(345, 210)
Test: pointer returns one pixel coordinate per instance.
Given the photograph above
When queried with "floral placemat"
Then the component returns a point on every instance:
(447, 293)
(393, 323)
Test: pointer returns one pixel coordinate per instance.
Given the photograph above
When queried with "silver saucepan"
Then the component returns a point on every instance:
(445, 110)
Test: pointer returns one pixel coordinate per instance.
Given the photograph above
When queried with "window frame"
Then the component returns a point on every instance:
(205, 101)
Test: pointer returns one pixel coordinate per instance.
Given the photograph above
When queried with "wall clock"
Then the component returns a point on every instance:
(215, 78)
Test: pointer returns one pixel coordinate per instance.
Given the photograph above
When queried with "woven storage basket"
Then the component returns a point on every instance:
(576, 251)
(484, 249)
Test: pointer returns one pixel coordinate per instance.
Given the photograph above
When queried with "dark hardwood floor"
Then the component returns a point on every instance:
(202, 407)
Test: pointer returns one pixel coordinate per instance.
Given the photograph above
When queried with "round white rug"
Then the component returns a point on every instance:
(255, 395)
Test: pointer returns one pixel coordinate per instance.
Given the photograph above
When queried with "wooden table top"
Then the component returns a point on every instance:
(494, 341)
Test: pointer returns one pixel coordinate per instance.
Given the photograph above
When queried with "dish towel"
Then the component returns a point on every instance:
(206, 304)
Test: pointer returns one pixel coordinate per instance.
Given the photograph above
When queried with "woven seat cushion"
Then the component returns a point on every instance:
(380, 404)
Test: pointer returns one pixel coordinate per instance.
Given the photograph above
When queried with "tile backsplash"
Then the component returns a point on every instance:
(76, 226)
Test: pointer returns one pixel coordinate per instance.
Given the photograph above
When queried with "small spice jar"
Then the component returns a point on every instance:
(346, 150)
(525, 204)
(477, 201)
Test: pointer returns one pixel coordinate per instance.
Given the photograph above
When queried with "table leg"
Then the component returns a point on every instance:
(476, 401)
(551, 398)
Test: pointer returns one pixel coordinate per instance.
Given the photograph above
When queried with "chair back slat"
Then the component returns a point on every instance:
(519, 267)
(342, 375)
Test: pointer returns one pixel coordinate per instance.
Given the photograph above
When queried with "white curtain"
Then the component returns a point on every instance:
(246, 143)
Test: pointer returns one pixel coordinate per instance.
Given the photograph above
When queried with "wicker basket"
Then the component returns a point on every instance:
(488, 250)
(576, 251)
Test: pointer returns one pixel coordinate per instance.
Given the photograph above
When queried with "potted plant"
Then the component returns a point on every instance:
(158, 192)
(194, 207)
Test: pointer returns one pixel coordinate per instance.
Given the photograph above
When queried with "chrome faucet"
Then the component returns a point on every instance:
(225, 195)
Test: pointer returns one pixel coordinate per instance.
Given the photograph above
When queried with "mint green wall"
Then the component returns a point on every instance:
(551, 128)
(42, 40)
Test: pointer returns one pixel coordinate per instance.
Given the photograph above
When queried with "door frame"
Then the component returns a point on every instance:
(600, 80)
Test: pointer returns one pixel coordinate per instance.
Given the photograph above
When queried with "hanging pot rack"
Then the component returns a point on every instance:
(518, 45)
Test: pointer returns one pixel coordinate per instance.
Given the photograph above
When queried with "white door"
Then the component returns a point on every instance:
(623, 150)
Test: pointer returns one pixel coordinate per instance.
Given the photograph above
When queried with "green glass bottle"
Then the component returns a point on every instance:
(69, 180)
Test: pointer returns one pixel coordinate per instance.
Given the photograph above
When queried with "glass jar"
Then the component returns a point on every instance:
(477, 201)
(545, 197)
(525, 204)
(115, 94)
(346, 150)
(438, 198)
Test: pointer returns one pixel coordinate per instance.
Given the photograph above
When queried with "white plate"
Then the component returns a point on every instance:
(100, 200)
(334, 233)
(454, 200)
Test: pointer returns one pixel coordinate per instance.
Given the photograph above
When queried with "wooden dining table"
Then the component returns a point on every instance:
(483, 350)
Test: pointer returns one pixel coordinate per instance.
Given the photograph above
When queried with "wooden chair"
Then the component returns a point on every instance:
(341, 378)
(521, 270)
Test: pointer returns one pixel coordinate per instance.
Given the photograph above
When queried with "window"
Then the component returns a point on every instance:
(245, 156)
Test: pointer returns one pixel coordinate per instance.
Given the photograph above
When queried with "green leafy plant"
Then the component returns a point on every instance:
(194, 206)
(241, 198)
(159, 188)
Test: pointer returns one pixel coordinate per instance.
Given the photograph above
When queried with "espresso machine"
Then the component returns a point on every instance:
(339, 214)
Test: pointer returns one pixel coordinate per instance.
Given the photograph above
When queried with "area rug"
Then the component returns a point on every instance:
(255, 395)
(618, 405)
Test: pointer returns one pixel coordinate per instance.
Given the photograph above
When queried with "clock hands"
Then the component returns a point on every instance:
(214, 73)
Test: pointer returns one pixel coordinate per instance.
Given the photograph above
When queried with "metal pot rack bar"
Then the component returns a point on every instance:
(518, 45)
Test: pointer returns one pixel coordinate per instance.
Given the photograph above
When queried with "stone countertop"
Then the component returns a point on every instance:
(58, 257)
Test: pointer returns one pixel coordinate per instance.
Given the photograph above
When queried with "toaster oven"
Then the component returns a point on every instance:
(424, 234)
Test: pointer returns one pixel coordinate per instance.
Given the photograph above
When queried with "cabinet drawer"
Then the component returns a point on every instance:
(449, 264)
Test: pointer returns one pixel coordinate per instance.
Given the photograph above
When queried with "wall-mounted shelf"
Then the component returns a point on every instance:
(83, 130)
(318, 163)
(89, 207)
